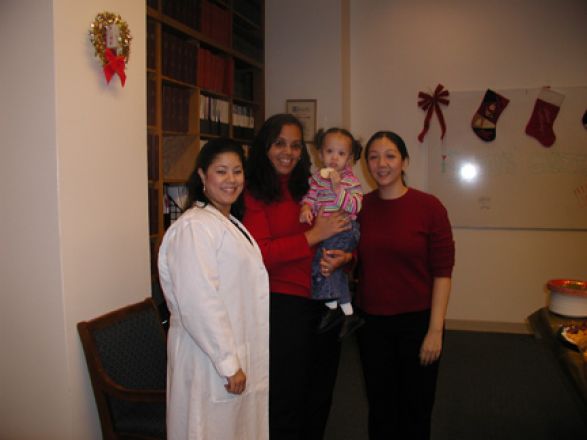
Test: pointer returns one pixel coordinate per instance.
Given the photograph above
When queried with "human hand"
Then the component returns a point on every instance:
(327, 226)
(237, 383)
(335, 180)
(306, 215)
(431, 347)
(333, 259)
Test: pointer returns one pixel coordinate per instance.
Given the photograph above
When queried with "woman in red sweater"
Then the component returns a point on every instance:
(406, 256)
(303, 364)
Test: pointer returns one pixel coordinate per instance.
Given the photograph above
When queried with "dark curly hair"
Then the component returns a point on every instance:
(206, 156)
(356, 146)
(261, 178)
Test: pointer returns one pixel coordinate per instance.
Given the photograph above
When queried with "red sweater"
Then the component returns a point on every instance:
(405, 243)
(280, 235)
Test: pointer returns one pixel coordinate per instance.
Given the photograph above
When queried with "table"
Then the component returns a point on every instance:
(546, 326)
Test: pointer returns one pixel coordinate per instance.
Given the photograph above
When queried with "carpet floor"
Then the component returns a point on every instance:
(492, 386)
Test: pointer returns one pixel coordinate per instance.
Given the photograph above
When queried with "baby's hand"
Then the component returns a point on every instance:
(335, 180)
(306, 215)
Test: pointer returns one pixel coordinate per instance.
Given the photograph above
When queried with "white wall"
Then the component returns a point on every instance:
(303, 56)
(400, 47)
(74, 232)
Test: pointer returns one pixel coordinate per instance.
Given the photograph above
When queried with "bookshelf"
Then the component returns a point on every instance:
(205, 78)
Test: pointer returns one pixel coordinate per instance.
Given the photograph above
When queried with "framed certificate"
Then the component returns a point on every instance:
(305, 110)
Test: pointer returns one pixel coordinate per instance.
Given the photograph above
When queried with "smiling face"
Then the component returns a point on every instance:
(386, 164)
(223, 180)
(285, 152)
(336, 151)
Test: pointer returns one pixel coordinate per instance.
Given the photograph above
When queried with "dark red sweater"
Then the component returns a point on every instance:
(405, 243)
(280, 235)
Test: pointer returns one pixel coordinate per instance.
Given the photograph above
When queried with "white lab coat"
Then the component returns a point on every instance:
(217, 290)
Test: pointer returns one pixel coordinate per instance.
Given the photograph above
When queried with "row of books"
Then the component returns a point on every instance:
(243, 122)
(215, 72)
(151, 44)
(153, 211)
(243, 83)
(185, 11)
(176, 108)
(153, 156)
(214, 115)
(250, 9)
(247, 45)
(179, 58)
(215, 22)
(151, 102)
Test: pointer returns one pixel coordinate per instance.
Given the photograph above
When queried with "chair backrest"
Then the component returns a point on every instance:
(125, 351)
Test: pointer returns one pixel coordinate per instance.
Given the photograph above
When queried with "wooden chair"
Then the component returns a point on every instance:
(125, 352)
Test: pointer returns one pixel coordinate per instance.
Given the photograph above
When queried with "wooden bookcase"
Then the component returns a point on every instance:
(205, 78)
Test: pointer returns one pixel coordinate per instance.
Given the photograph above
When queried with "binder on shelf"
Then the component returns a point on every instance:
(153, 157)
(250, 9)
(175, 198)
(243, 121)
(151, 44)
(215, 22)
(153, 211)
(184, 11)
(179, 58)
(176, 108)
(215, 72)
(151, 101)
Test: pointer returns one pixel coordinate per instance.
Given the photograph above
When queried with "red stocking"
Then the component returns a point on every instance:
(545, 111)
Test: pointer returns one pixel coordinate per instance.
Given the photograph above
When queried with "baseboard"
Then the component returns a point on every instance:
(488, 326)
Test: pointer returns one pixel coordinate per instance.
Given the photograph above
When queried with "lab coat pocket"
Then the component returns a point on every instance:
(219, 393)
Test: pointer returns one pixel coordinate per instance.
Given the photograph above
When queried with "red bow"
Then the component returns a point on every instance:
(115, 65)
(431, 104)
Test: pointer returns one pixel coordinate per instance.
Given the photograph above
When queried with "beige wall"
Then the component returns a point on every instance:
(73, 232)
(399, 47)
(303, 56)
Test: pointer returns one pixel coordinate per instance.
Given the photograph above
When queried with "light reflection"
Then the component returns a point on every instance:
(469, 172)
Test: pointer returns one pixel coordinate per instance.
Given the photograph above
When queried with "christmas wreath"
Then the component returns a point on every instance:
(110, 36)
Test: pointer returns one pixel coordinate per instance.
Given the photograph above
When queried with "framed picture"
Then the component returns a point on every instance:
(305, 110)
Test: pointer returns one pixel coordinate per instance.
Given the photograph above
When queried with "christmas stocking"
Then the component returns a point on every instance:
(485, 119)
(545, 111)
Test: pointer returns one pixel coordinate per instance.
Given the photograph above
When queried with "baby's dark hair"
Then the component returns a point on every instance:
(356, 146)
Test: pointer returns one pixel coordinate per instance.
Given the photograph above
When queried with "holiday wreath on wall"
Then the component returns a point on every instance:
(110, 36)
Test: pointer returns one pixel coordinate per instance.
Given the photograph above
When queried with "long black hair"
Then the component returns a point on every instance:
(262, 179)
(206, 156)
(394, 138)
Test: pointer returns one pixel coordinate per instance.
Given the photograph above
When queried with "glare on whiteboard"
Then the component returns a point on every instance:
(469, 172)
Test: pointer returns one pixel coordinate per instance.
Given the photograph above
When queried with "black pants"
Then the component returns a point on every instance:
(302, 369)
(400, 391)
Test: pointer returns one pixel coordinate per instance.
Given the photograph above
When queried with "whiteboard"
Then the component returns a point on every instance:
(520, 183)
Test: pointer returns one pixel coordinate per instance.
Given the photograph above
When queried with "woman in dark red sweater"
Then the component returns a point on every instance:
(302, 364)
(406, 256)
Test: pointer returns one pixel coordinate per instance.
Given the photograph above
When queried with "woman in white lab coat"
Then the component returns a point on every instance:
(216, 288)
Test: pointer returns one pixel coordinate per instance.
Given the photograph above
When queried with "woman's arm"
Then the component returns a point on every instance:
(327, 226)
(432, 344)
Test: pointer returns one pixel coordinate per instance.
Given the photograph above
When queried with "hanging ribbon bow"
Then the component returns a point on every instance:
(432, 104)
(115, 65)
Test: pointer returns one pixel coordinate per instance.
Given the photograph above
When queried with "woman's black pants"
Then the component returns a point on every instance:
(302, 369)
(400, 391)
